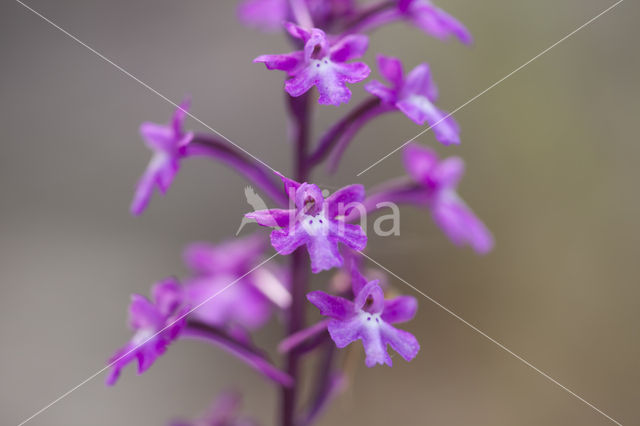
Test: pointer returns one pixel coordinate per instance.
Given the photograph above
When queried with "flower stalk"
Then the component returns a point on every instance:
(232, 289)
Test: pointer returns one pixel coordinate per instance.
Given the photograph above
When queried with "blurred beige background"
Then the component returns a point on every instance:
(552, 159)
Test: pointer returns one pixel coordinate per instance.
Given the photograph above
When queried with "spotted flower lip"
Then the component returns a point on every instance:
(155, 323)
(321, 63)
(437, 180)
(315, 221)
(414, 95)
(368, 318)
(167, 142)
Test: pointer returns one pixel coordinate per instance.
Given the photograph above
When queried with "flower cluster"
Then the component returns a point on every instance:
(233, 289)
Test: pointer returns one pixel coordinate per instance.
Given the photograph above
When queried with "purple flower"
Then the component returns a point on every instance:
(322, 63)
(433, 20)
(156, 324)
(224, 291)
(267, 15)
(225, 411)
(368, 318)
(414, 96)
(167, 143)
(438, 181)
(315, 222)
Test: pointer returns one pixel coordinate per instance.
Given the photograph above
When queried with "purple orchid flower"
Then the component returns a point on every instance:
(315, 222)
(415, 96)
(368, 318)
(322, 63)
(225, 411)
(156, 324)
(226, 290)
(438, 181)
(433, 20)
(168, 143)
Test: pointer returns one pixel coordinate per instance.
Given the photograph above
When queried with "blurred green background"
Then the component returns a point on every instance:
(552, 168)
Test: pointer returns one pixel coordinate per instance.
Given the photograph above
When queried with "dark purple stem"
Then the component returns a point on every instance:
(333, 135)
(350, 133)
(243, 351)
(324, 383)
(299, 109)
(209, 146)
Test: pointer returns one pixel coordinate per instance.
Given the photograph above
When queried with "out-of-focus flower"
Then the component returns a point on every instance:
(155, 323)
(167, 143)
(322, 63)
(226, 290)
(438, 181)
(433, 20)
(267, 15)
(315, 222)
(415, 96)
(270, 15)
(225, 411)
(369, 318)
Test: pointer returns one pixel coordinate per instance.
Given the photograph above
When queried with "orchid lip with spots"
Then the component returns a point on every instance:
(233, 289)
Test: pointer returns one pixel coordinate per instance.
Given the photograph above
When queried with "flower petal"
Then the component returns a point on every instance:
(272, 217)
(449, 172)
(309, 198)
(352, 72)
(229, 257)
(286, 240)
(331, 306)
(358, 281)
(288, 62)
(301, 82)
(267, 15)
(158, 137)
(143, 192)
(345, 332)
(341, 201)
(179, 116)
(374, 347)
(419, 162)
(461, 225)
(401, 341)
(324, 253)
(400, 309)
(290, 185)
(420, 82)
(316, 45)
(349, 234)
(349, 47)
(167, 295)
(371, 298)
(380, 90)
(297, 31)
(437, 22)
(420, 109)
(143, 314)
(391, 69)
